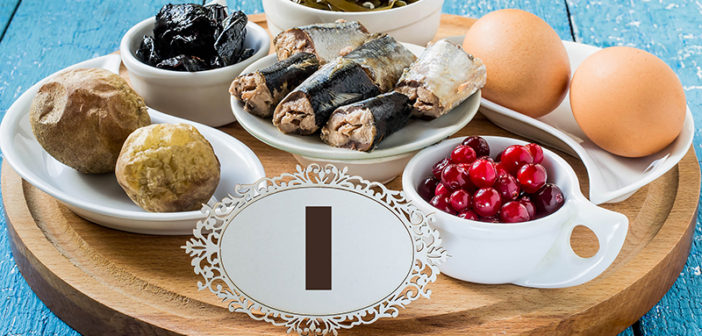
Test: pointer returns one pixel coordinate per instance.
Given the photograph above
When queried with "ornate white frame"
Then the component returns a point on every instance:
(204, 249)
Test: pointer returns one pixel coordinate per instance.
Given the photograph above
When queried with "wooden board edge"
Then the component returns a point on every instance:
(641, 289)
(49, 287)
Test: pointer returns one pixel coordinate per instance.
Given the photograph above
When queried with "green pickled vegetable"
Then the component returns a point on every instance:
(354, 5)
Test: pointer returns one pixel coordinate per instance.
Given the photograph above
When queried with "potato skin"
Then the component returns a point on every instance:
(81, 117)
(167, 168)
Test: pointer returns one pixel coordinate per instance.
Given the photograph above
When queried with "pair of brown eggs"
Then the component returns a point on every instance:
(627, 101)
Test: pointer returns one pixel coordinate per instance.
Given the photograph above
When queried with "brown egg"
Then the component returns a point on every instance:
(628, 101)
(527, 65)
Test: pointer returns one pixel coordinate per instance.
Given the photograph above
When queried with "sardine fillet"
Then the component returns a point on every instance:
(261, 90)
(443, 77)
(384, 59)
(306, 109)
(325, 40)
(364, 125)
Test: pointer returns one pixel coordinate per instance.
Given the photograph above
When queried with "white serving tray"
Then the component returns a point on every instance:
(99, 198)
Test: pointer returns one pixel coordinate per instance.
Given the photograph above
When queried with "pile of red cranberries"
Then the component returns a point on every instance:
(511, 188)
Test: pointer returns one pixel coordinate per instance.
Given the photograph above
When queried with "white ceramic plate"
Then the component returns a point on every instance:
(416, 135)
(612, 178)
(99, 198)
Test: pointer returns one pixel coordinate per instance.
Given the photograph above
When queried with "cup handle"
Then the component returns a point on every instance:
(562, 267)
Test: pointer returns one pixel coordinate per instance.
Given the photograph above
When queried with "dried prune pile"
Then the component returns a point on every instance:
(192, 37)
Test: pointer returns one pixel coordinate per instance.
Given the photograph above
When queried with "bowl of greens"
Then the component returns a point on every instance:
(412, 21)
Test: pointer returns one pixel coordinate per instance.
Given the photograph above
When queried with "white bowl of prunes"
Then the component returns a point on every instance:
(183, 59)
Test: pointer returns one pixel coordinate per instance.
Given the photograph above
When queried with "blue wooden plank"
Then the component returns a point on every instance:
(7, 7)
(553, 12)
(671, 30)
(627, 332)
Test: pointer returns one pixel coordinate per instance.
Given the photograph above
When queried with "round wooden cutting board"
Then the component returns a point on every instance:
(101, 281)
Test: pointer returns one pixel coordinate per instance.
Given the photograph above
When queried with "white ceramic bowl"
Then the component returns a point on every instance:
(201, 96)
(415, 23)
(533, 254)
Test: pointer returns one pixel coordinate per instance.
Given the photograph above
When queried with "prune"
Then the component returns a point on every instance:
(183, 63)
(147, 51)
(230, 44)
(192, 37)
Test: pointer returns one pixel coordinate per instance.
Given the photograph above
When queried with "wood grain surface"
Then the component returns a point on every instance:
(46, 36)
(105, 281)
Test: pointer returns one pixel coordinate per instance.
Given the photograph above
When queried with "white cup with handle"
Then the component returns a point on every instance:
(536, 253)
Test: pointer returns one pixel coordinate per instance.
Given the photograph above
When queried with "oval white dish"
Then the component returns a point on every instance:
(416, 135)
(536, 253)
(612, 178)
(99, 198)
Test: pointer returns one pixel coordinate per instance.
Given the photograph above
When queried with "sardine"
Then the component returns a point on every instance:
(308, 107)
(384, 59)
(363, 125)
(262, 90)
(443, 77)
(324, 40)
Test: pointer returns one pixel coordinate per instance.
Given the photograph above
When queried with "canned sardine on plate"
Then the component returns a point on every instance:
(260, 91)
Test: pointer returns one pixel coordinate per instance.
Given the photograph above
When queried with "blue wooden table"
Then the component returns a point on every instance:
(38, 38)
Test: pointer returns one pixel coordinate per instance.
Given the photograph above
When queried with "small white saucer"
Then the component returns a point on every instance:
(99, 198)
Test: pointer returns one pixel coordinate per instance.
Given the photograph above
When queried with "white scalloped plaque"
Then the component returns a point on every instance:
(316, 251)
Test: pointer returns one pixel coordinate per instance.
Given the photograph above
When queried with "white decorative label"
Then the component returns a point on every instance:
(316, 251)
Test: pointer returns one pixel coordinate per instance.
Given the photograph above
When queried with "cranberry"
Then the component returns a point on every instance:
(468, 214)
(441, 190)
(479, 145)
(460, 200)
(483, 173)
(489, 219)
(469, 186)
(532, 177)
(442, 203)
(498, 158)
(548, 199)
(508, 187)
(529, 206)
(426, 188)
(463, 154)
(514, 212)
(536, 151)
(486, 202)
(453, 177)
(438, 168)
(514, 157)
(487, 158)
(501, 171)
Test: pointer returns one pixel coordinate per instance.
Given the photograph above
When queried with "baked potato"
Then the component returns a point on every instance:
(168, 167)
(81, 117)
